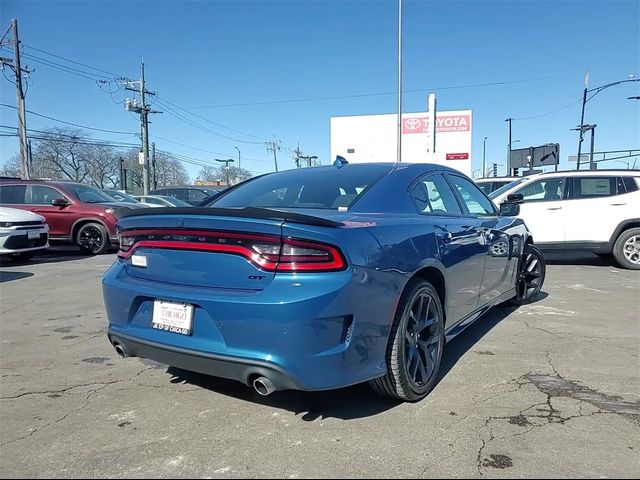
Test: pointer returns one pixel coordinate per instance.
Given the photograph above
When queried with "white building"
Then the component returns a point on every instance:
(372, 138)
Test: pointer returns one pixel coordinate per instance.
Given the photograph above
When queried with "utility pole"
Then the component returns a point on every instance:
(15, 65)
(297, 155)
(273, 146)
(123, 185)
(509, 147)
(154, 176)
(592, 165)
(143, 110)
(484, 157)
(22, 121)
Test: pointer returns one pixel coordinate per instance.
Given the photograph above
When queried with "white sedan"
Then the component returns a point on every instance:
(160, 201)
(22, 233)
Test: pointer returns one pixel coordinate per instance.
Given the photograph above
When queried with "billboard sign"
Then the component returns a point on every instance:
(540, 156)
(373, 138)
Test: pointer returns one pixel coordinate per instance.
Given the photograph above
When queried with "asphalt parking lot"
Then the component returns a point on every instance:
(548, 390)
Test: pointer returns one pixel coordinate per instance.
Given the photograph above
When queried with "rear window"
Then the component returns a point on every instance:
(88, 194)
(324, 187)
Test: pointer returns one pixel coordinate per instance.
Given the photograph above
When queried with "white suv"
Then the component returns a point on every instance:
(596, 210)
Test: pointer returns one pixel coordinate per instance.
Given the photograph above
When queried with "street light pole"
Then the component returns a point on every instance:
(239, 165)
(585, 99)
(484, 160)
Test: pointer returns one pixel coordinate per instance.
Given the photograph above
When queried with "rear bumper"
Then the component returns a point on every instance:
(303, 332)
(239, 369)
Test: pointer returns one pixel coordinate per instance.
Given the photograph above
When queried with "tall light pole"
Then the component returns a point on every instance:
(226, 166)
(399, 153)
(484, 155)
(239, 167)
(585, 99)
(509, 147)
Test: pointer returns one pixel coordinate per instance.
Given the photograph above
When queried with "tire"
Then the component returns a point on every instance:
(92, 238)
(531, 273)
(626, 249)
(413, 341)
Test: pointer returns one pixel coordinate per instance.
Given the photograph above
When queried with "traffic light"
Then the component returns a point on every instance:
(495, 169)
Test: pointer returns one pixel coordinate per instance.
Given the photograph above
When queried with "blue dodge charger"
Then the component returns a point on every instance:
(319, 278)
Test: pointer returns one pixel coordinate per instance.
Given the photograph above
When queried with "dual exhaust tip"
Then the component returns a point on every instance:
(262, 385)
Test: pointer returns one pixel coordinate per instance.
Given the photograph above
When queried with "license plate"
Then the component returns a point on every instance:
(33, 234)
(172, 317)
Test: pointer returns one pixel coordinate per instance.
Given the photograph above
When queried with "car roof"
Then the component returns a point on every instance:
(495, 179)
(589, 173)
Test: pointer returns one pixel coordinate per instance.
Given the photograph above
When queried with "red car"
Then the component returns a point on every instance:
(76, 213)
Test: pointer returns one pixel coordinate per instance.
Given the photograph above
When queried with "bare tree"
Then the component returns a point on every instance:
(61, 153)
(103, 166)
(11, 167)
(219, 174)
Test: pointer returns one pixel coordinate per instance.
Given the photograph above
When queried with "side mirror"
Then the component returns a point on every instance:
(60, 202)
(515, 198)
(509, 209)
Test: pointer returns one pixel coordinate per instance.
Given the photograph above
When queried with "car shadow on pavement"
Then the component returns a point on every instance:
(579, 258)
(51, 255)
(349, 403)
(11, 276)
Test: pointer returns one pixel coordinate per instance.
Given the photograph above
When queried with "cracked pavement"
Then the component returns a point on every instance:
(549, 390)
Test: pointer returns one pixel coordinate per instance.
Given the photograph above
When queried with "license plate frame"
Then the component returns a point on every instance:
(172, 317)
(33, 234)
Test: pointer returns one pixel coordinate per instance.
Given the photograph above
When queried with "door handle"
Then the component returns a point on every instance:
(617, 204)
(554, 208)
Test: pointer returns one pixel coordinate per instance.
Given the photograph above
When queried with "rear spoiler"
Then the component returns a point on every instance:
(247, 212)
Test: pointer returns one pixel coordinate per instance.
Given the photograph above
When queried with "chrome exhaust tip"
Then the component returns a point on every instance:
(263, 386)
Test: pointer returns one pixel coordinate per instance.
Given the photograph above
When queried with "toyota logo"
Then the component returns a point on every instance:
(412, 123)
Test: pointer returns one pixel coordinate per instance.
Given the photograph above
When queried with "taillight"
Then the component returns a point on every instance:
(305, 256)
(268, 252)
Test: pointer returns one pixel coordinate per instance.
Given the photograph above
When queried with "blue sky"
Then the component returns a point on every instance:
(215, 53)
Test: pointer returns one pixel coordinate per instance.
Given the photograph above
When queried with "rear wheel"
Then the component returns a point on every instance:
(531, 273)
(626, 250)
(415, 345)
(93, 239)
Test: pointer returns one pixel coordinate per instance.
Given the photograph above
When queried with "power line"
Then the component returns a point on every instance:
(212, 122)
(70, 123)
(73, 61)
(549, 113)
(48, 136)
(180, 116)
(62, 67)
(361, 95)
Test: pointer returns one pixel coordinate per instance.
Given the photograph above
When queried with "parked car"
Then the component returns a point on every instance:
(190, 195)
(596, 211)
(22, 233)
(121, 197)
(160, 201)
(319, 278)
(491, 184)
(76, 213)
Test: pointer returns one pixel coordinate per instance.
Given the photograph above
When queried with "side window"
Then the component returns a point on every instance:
(432, 194)
(197, 195)
(42, 195)
(485, 187)
(153, 201)
(472, 197)
(593, 187)
(631, 184)
(13, 194)
(544, 190)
